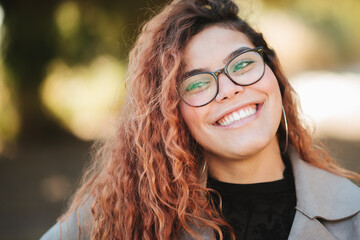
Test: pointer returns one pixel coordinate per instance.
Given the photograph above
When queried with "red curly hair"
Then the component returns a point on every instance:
(145, 182)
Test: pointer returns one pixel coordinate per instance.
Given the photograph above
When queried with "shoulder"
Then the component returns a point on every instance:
(76, 226)
(321, 193)
(325, 199)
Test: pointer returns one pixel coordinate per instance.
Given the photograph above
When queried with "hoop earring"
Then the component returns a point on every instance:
(204, 168)
(286, 130)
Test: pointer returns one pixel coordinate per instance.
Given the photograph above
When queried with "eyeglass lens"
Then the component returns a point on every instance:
(200, 89)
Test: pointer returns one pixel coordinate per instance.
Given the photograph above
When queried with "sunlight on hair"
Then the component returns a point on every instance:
(85, 99)
(332, 100)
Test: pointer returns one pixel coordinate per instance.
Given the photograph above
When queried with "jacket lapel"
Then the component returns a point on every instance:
(320, 195)
(309, 229)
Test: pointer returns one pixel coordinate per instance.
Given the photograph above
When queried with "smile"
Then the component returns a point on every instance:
(240, 114)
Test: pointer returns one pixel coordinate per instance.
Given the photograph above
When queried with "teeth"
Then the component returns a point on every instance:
(242, 114)
(236, 116)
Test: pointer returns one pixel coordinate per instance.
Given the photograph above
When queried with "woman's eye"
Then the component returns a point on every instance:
(240, 66)
(196, 85)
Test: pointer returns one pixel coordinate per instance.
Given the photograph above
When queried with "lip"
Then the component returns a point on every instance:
(237, 108)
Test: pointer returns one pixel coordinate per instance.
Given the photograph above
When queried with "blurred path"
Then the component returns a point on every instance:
(35, 185)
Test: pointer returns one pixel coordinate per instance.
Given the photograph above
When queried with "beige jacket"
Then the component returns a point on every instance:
(328, 208)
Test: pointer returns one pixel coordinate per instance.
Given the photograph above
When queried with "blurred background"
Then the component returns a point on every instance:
(61, 85)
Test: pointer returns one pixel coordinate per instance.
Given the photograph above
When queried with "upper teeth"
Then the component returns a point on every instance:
(237, 115)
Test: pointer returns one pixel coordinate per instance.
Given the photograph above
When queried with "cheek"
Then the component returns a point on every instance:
(269, 85)
(190, 115)
(195, 119)
(272, 89)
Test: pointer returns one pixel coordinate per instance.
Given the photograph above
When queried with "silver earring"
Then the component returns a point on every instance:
(287, 131)
(204, 168)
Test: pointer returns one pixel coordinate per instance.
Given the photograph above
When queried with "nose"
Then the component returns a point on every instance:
(227, 89)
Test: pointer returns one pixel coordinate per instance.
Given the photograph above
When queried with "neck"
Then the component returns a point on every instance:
(264, 166)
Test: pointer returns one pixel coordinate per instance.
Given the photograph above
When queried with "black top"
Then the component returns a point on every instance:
(259, 211)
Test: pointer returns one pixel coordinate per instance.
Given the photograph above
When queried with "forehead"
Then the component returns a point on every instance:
(211, 46)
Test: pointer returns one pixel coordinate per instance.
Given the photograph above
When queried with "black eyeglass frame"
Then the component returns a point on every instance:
(259, 50)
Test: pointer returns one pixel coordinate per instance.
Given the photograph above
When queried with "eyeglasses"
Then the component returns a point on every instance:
(244, 69)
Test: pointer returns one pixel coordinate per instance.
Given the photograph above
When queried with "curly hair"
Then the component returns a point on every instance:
(146, 182)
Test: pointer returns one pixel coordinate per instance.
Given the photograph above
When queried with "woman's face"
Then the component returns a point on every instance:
(261, 102)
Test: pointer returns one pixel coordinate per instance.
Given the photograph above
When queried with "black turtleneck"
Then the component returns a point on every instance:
(259, 211)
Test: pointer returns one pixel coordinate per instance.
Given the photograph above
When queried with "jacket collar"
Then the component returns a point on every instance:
(319, 194)
(323, 194)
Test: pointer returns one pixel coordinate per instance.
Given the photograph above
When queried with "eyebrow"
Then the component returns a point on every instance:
(235, 53)
(225, 61)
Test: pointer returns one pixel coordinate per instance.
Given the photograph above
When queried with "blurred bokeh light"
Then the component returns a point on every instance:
(85, 99)
(332, 101)
(67, 18)
(9, 120)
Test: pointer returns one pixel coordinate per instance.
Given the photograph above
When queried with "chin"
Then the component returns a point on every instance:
(250, 151)
(251, 148)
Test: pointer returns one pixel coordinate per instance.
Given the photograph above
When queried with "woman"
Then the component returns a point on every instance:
(210, 144)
